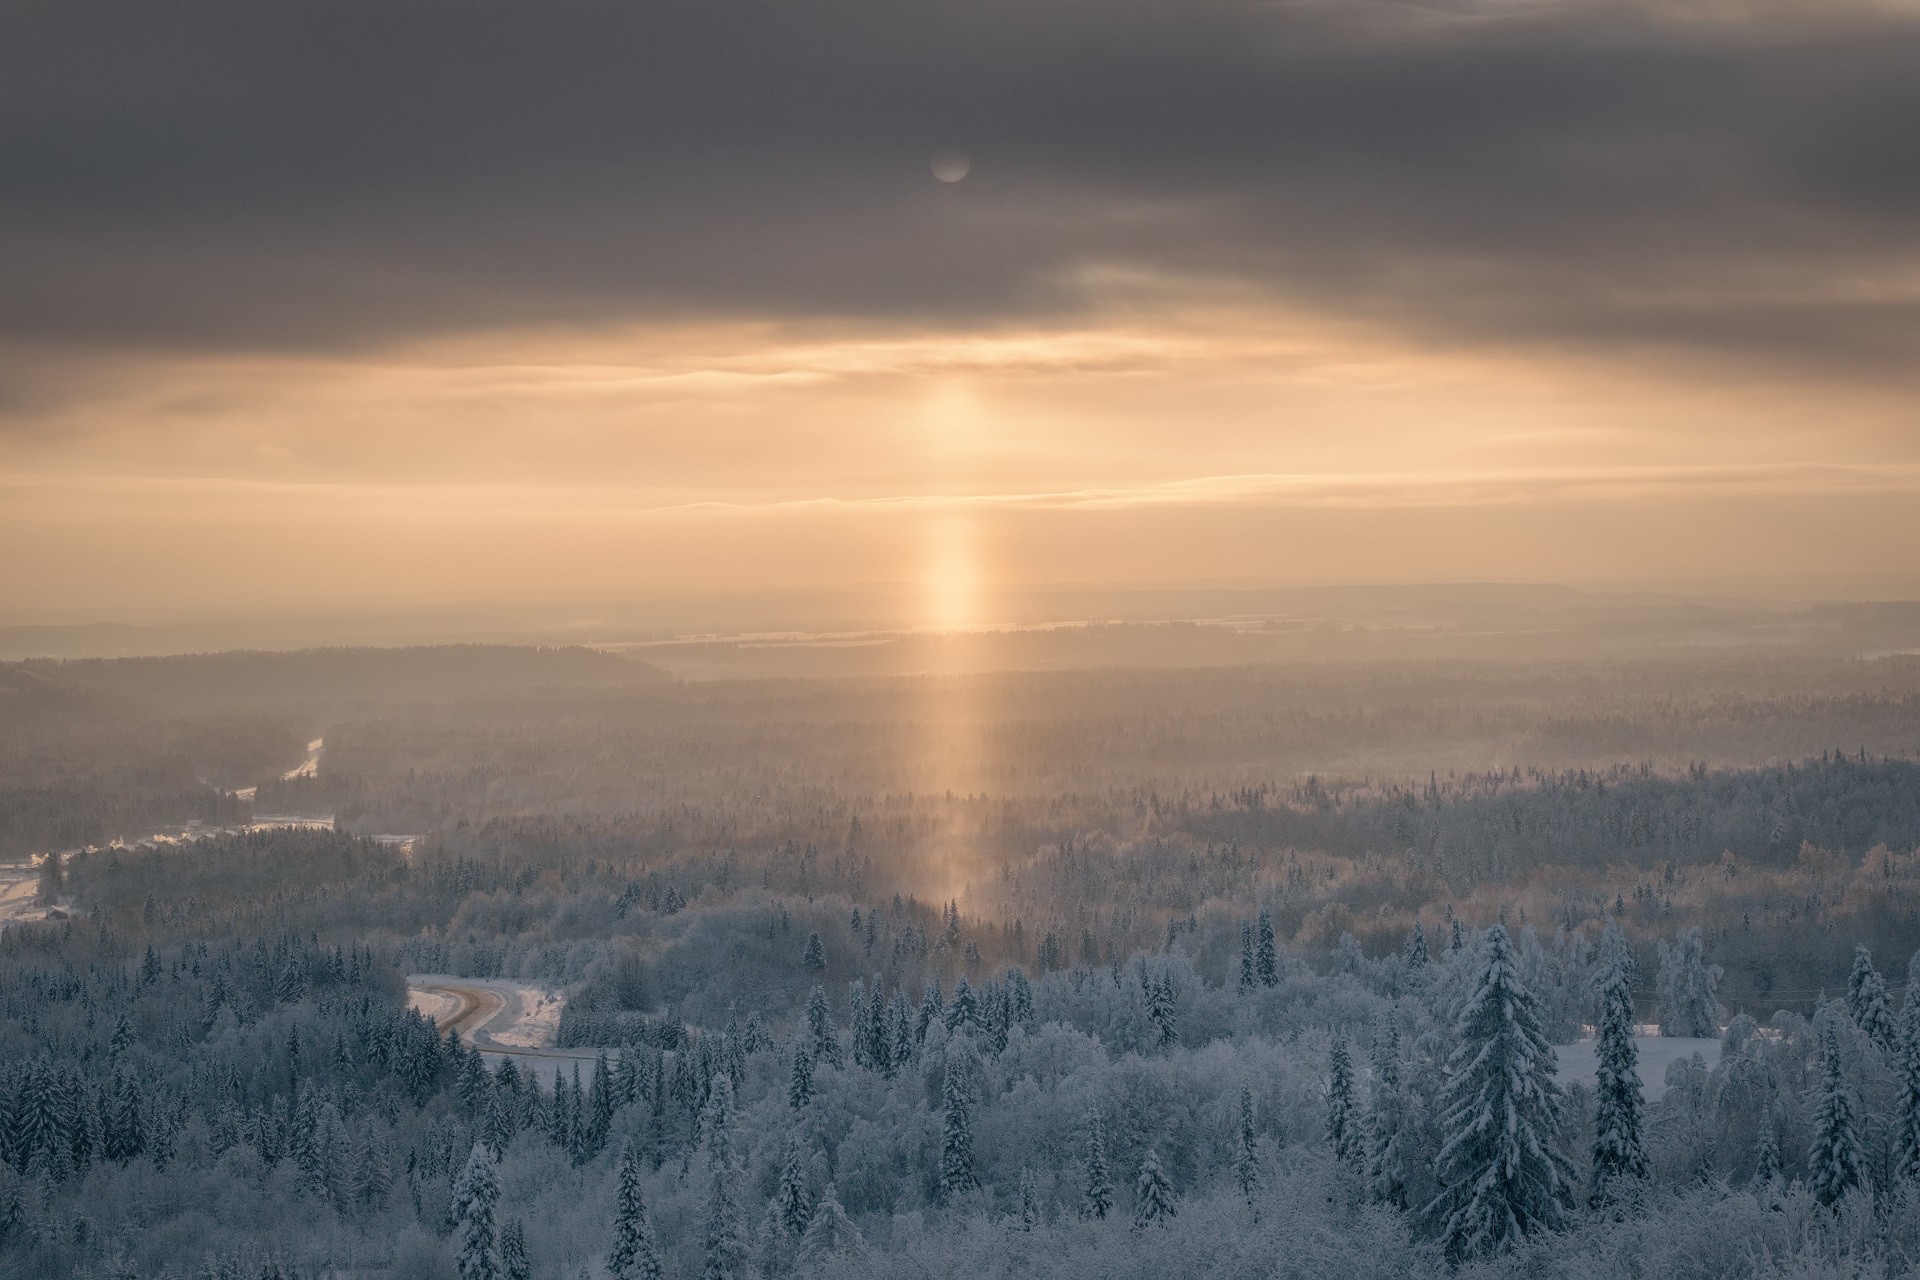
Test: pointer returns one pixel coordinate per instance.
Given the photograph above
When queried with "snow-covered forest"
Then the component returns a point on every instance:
(1355, 1023)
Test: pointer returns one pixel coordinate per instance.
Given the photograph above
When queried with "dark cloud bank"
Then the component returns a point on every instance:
(326, 173)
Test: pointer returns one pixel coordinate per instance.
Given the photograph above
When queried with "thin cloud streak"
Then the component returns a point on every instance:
(565, 503)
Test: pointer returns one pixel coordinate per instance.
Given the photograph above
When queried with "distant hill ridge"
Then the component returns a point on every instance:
(343, 673)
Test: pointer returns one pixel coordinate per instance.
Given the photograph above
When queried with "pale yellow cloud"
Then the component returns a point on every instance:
(1218, 441)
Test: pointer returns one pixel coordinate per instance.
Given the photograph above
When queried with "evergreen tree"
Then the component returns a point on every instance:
(826, 1048)
(956, 1126)
(1343, 1117)
(1161, 1012)
(1153, 1193)
(635, 1254)
(475, 1195)
(1867, 1002)
(1767, 1172)
(1417, 954)
(1029, 1201)
(1099, 1196)
(1906, 1140)
(1836, 1162)
(857, 1022)
(1501, 1173)
(815, 956)
(1246, 1151)
(1266, 957)
(1619, 1155)
(724, 1250)
(514, 1263)
(1457, 939)
(800, 1079)
(1248, 977)
(962, 1011)
(830, 1231)
(793, 1208)
(931, 1009)
(1387, 1124)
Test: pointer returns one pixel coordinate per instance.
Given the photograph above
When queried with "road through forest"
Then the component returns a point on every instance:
(481, 1012)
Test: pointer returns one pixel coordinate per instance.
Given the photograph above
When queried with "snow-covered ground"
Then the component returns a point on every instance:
(19, 892)
(432, 1004)
(1657, 1053)
(505, 1020)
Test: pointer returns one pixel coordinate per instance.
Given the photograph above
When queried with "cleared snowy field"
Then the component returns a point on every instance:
(1657, 1053)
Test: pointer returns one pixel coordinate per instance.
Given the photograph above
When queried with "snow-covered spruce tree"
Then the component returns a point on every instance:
(1267, 954)
(1501, 1173)
(1619, 1153)
(1343, 1112)
(1906, 1136)
(1246, 1151)
(963, 1011)
(956, 1126)
(635, 1255)
(1153, 1193)
(1767, 1173)
(724, 1248)
(1836, 1162)
(1160, 1011)
(825, 1047)
(800, 1079)
(1247, 978)
(815, 956)
(1867, 1002)
(1687, 984)
(830, 1231)
(1099, 1194)
(792, 1206)
(1417, 955)
(476, 1253)
(1029, 1216)
(1387, 1124)
(857, 1022)
(514, 1263)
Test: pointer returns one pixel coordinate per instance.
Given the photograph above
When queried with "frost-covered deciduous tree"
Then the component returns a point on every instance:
(1619, 1152)
(1687, 984)
(635, 1254)
(1154, 1201)
(1867, 1002)
(1501, 1172)
(1836, 1162)
(476, 1252)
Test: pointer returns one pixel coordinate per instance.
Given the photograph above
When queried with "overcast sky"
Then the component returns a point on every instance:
(359, 300)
